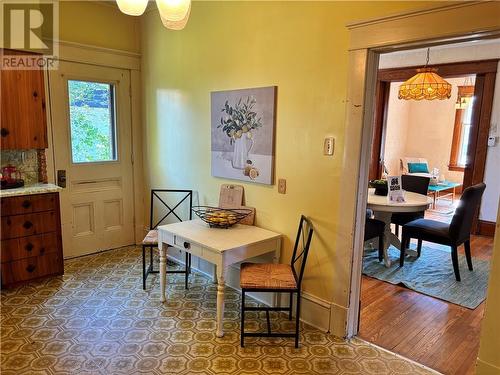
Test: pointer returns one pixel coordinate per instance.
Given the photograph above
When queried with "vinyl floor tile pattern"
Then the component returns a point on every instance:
(96, 319)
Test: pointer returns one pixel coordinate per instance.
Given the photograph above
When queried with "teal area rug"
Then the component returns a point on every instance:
(432, 274)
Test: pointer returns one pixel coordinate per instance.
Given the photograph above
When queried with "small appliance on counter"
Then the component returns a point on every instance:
(11, 178)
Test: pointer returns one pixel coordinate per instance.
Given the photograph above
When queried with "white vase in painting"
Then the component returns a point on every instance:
(242, 147)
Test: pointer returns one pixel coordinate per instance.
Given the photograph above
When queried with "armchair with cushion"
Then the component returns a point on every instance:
(415, 167)
(454, 234)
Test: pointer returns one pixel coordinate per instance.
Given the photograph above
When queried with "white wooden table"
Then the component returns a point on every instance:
(221, 247)
(383, 210)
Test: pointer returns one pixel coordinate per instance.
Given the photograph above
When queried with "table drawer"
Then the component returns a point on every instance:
(31, 246)
(28, 225)
(31, 268)
(184, 244)
(28, 204)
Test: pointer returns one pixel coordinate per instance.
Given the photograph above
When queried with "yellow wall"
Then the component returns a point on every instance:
(489, 351)
(300, 47)
(98, 24)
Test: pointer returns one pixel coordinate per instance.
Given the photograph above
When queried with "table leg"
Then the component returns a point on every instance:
(276, 260)
(389, 237)
(163, 272)
(221, 286)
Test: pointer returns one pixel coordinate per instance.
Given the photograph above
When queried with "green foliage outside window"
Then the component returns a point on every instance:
(92, 121)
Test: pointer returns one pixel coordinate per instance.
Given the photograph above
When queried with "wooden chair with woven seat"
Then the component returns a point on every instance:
(277, 278)
(151, 239)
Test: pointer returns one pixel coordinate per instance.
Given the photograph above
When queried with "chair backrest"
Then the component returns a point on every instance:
(461, 223)
(301, 248)
(415, 184)
(158, 197)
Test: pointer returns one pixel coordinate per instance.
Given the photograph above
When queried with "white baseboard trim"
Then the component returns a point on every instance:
(314, 311)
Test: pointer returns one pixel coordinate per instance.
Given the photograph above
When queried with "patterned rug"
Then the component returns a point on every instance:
(432, 274)
(96, 319)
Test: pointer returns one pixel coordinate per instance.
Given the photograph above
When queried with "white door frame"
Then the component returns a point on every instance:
(367, 43)
(93, 55)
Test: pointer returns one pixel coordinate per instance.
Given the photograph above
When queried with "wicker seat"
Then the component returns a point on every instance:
(151, 239)
(267, 276)
(271, 278)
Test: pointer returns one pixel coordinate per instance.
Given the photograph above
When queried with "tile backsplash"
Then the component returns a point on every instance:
(26, 161)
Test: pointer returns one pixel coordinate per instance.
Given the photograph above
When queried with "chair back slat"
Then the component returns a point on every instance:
(301, 248)
(415, 184)
(461, 223)
(157, 199)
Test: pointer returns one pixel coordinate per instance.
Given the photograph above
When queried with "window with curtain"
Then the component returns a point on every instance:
(462, 128)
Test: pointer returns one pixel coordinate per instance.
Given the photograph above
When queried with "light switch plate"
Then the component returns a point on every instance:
(329, 146)
(282, 186)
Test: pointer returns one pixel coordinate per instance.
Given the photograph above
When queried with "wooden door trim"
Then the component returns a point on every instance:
(379, 128)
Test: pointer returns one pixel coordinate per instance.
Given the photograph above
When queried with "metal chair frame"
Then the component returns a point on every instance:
(150, 269)
(298, 280)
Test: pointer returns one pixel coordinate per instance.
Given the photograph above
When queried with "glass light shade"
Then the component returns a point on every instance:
(176, 25)
(132, 7)
(426, 84)
(174, 10)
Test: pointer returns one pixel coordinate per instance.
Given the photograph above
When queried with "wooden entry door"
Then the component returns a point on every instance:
(91, 132)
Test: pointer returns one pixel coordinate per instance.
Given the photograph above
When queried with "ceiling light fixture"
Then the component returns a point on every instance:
(174, 14)
(132, 7)
(426, 84)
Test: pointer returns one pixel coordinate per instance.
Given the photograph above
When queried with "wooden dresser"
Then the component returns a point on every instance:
(31, 238)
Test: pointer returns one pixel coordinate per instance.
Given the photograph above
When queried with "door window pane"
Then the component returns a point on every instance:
(92, 121)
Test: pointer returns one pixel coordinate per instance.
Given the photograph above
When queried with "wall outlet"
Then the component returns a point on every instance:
(282, 186)
(329, 146)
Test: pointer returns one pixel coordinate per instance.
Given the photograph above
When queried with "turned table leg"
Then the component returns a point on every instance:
(221, 286)
(163, 272)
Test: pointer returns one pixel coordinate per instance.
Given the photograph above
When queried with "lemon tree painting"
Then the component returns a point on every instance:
(243, 123)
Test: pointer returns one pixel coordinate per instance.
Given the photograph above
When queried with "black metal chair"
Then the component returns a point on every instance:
(151, 239)
(414, 184)
(276, 278)
(453, 234)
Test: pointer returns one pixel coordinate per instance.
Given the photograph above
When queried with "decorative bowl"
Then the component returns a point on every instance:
(380, 186)
(217, 217)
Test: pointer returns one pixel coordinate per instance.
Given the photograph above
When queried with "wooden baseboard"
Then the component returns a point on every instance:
(486, 228)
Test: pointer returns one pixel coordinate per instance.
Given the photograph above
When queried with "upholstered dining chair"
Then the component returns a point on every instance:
(276, 278)
(375, 229)
(151, 239)
(454, 234)
(414, 184)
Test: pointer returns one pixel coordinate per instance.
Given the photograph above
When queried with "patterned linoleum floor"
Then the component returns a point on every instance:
(96, 319)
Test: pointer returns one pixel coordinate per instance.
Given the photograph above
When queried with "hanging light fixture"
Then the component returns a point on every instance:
(132, 7)
(174, 14)
(426, 84)
(465, 94)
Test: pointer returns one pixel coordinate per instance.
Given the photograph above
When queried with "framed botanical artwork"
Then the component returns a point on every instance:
(243, 127)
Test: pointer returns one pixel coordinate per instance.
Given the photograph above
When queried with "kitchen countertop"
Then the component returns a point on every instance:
(38, 188)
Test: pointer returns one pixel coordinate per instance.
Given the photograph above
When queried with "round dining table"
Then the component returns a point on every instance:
(383, 210)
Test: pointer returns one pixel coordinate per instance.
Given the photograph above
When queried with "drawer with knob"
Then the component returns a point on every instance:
(32, 268)
(28, 225)
(25, 247)
(28, 204)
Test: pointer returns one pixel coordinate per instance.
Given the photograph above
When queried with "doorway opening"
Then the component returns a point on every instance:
(417, 308)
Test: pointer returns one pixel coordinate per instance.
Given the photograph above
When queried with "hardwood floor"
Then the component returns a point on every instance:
(438, 334)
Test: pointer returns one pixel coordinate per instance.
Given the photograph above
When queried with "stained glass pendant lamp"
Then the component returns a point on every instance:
(425, 85)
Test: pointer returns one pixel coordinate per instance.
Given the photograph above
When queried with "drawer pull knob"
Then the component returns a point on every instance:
(4, 132)
(27, 224)
(26, 204)
(30, 268)
(29, 247)
(187, 245)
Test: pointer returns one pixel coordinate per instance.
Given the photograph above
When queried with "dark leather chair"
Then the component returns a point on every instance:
(414, 184)
(453, 234)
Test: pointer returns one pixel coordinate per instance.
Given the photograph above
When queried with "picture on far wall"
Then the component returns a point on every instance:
(243, 126)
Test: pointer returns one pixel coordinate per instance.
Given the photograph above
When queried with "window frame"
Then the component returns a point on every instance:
(463, 91)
